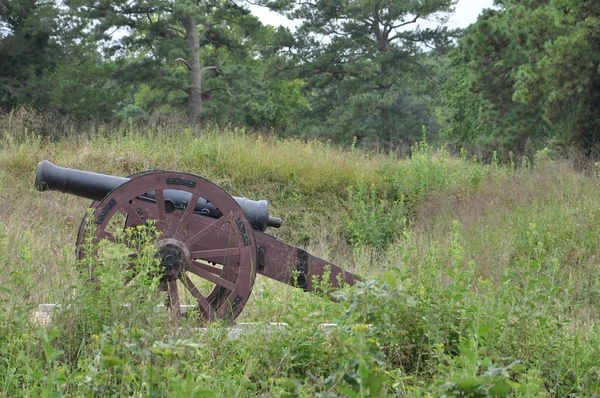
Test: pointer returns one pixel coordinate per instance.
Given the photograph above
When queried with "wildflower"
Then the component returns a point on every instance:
(360, 328)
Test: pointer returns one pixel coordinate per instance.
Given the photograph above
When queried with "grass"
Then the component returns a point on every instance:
(485, 282)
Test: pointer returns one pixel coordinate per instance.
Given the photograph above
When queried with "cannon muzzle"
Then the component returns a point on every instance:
(86, 184)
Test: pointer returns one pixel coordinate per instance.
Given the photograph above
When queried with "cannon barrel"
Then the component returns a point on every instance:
(86, 184)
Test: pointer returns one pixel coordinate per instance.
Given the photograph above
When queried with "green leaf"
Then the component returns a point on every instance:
(500, 388)
(50, 352)
(375, 384)
(204, 393)
(346, 391)
(484, 330)
(111, 361)
(54, 333)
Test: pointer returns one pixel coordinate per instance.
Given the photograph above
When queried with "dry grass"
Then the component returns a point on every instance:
(551, 213)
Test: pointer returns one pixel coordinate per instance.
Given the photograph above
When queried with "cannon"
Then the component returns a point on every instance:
(211, 244)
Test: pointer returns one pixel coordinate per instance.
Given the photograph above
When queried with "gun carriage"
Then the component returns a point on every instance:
(204, 232)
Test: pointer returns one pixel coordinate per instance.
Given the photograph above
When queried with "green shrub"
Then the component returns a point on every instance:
(371, 220)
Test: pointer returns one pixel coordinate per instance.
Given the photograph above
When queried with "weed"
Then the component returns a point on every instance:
(371, 220)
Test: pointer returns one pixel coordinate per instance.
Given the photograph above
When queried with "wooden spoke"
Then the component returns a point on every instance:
(195, 269)
(132, 214)
(213, 270)
(160, 206)
(106, 235)
(190, 206)
(162, 286)
(187, 215)
(208, 230)
(229, 252)
(204, 305)
(174, 299)
(131, 267)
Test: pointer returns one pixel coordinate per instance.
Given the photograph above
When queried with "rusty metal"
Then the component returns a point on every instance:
(224, 249)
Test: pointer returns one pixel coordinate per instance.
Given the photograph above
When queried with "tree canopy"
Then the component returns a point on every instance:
(527, 75)
(364, 65)
(524, 76)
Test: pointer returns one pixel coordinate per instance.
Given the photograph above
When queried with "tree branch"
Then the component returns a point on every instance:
(338, 72)
(227, 88)
(424, 70)
(406, 23)
(209, 27)
(181, 32)
(207, 68)
(184, 61)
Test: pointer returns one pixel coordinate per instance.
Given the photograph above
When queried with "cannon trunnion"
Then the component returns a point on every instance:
(211, 244)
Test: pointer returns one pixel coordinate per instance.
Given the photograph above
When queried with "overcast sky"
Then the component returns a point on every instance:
(466, 13)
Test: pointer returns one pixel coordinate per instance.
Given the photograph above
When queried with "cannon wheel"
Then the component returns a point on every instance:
(222, 252)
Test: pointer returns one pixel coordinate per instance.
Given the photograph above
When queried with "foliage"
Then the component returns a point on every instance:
(462, 114)
(371, 221)
(220, 78)
(48, 63)
(363, 80)
(522, 83)
(524, 77)
(28, 45)
(85, 90)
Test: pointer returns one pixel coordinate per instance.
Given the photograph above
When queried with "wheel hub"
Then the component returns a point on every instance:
(174, 257)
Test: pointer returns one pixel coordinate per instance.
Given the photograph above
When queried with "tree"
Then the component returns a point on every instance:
(161, 33)
(46, 63)
(533, 67)
(248, 91)
(563, 80)
(28, 46)
(363, 62)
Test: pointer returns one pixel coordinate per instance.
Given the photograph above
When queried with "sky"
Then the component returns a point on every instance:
(466, 13)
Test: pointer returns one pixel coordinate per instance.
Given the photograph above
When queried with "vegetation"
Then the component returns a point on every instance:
(482, 281)
(521, 82)
(523, 77)
(426, 160)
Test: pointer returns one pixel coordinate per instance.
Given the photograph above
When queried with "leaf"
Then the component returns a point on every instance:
(484, 330)
(363, 372)
(346, 391)
(50, 352)
(111, 361)
(467, 352)
(204, 393)
(501, 389)
(54, 333)
(375, 384)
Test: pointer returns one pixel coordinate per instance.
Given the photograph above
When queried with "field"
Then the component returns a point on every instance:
(480, 279)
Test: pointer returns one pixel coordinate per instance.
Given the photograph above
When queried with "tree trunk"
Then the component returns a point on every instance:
(590, 120)
(195, 90)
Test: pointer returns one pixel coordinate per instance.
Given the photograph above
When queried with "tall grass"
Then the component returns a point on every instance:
(480, 279)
